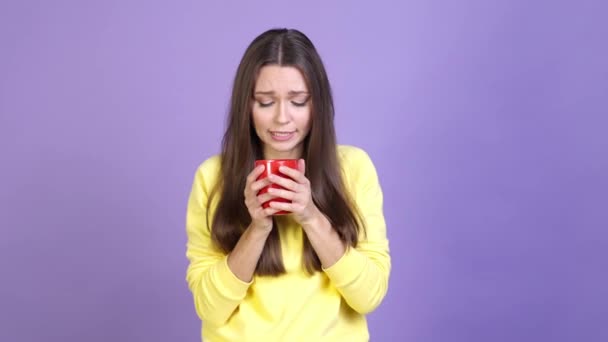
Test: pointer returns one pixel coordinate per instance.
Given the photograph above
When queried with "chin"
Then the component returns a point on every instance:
(284, 148)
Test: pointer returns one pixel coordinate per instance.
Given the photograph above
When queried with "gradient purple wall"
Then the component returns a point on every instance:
(486, 121)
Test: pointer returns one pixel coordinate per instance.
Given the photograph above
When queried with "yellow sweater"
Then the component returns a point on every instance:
(327, 306)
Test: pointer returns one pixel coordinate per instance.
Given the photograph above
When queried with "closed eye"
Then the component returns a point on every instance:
(300, 104)
(267, 104)
(295, 103)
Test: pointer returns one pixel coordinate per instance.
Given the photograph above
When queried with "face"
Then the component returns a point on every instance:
(281, 111)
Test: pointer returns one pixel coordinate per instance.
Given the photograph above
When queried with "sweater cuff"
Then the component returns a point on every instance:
(347, 269)
(234, 288)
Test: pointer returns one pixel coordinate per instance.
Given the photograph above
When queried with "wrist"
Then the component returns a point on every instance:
(259, 231)
(317, 221)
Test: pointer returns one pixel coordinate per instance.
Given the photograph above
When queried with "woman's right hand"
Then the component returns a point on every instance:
(260, 218)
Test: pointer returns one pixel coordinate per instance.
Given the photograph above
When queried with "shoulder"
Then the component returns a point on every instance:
(359, 176)
(357, 166)
(208, 171)
(210, 165)
(353, 157)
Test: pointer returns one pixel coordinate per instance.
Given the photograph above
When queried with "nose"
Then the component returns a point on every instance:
(282, 115)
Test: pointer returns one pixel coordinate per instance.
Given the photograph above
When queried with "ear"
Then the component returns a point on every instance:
(302, 166)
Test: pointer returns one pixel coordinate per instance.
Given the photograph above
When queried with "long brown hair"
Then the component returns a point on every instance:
(241, 147)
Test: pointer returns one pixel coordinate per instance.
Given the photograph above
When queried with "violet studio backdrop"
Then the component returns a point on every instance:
(486, 121)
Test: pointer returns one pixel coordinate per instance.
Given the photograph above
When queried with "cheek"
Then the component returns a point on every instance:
(261, 122)
(306, 118)
(255, 122)
(256, 118)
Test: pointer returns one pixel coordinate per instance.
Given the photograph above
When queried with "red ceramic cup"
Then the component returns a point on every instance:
(271, 166)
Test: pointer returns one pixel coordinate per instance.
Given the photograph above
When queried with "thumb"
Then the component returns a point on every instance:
(302, 166)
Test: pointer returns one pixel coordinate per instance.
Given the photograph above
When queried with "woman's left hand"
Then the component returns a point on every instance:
(297, 190)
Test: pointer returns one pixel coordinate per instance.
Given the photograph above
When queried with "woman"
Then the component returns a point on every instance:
(311, 275)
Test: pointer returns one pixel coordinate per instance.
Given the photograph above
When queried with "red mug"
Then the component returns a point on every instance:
(271, 166)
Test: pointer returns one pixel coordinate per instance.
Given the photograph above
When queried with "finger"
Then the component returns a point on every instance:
(282, 206)
(285, 182)
(261, 213)
(263, 198)
(286, 194)
(270, 211)
(302, 166)
(255, 173)
(252, 205)
(258, 185)
(296, 175)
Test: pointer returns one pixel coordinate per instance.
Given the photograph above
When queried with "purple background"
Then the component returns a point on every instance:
(486, 121)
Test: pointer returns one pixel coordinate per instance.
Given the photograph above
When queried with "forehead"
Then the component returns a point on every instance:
(280, 79)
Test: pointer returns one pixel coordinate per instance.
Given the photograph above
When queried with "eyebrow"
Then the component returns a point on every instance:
(291, 92)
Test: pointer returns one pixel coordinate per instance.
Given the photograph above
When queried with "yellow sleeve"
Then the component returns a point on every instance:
(216, 290)
(361, 275)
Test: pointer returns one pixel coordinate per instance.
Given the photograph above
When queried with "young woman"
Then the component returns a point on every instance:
(313, 274)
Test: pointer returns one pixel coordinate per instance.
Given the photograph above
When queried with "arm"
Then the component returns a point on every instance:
(218, 282)
(324, 240)
(217, 291)
(361, 274)
(245, 255)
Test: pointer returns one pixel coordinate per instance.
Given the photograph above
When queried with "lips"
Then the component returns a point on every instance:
(282, 135)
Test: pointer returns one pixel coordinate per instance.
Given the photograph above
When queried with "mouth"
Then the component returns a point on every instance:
(282, 135)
